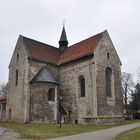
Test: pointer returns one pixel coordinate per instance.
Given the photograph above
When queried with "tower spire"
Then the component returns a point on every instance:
(63, 42)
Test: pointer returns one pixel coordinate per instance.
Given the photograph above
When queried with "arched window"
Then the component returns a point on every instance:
(81, 80)
(108, 80)
(51, 94)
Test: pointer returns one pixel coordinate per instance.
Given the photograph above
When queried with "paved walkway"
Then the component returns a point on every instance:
(106, 134)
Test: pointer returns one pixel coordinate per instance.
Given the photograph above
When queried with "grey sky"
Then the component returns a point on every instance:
(42, 20)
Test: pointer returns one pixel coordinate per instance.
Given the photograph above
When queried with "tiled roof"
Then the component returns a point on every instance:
(42, 52)
(81, 49)
(49, 54)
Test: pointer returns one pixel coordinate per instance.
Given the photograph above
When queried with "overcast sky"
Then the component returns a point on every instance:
(42, 20)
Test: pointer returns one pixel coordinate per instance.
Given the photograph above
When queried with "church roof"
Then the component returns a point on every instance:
(41, 52)
(44, 75)
(81, 49)
(49, 54)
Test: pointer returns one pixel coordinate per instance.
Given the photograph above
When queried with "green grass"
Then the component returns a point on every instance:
(44, 131)
(133, 134)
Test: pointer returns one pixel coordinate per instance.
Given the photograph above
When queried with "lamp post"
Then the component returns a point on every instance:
(60, 100)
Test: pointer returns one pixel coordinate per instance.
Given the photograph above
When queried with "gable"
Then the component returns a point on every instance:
(19, 50)
(112, 47)
(106, 47)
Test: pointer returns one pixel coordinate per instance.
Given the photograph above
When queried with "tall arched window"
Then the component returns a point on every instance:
(108, 80)
(51, 94)
(81, 81)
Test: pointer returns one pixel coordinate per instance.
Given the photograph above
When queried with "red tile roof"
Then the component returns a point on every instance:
(42, 52)
(81, 49)
(49, 54)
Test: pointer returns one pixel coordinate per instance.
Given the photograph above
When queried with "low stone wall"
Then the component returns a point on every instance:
(103, 120)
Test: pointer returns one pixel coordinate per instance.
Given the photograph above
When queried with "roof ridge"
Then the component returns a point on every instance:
(101, 33)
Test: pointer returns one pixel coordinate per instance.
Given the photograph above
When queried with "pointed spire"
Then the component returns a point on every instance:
(63, 42)
(63, 35)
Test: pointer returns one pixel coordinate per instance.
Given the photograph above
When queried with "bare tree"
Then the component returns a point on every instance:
(3, 89)
(127, 84)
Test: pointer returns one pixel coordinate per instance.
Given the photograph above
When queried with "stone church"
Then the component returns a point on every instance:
(86, 77)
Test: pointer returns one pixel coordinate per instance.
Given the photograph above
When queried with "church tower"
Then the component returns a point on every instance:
(63, 42)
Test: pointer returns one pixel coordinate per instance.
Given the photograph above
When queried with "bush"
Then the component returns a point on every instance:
(136, 115)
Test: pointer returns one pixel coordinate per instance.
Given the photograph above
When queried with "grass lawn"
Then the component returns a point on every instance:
(44, 131)
(130, 135)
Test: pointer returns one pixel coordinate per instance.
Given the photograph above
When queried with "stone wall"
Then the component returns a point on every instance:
(106, 105)
(16, 103)
(34, 68)
(3, 109)
(42, 110)
(80, 107)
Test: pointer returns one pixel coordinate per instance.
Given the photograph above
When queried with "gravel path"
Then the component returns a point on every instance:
(106, 134)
